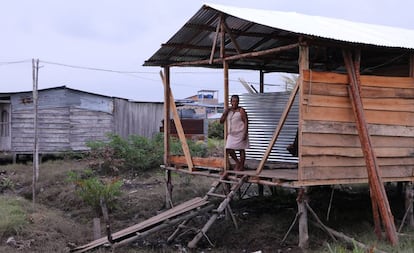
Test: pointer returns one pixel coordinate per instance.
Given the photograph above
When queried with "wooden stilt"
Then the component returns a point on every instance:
(168, 189)
(223, 206)
(409, 195)
(260, 190)
(303, 219)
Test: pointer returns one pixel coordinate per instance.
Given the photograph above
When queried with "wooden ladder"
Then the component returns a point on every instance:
(224, 205)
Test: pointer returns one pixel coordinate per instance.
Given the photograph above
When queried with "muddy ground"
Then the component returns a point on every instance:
(60, 220)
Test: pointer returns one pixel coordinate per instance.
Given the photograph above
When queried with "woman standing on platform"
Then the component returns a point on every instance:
(237, 131)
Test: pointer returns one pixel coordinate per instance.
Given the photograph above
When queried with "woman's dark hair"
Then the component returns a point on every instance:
(235, 96)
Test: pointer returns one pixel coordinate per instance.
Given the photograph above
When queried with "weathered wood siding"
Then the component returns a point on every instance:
(53, 130)
(330, 146)
(138, 118)
(87, 125)
(66, 120)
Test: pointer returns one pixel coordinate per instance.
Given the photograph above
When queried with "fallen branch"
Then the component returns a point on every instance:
(319, 221)
(290, 228)
(348, 239)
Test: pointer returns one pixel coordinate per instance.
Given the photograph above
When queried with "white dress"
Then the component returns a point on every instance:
(235, 133)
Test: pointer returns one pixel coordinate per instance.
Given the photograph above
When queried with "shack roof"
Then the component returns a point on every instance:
(257, 30)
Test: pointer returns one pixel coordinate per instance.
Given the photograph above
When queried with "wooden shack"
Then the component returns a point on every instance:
(355, 97)
(69, 118)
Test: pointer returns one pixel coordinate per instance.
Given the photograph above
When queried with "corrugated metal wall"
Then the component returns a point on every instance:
(264, 111)
(139, 118)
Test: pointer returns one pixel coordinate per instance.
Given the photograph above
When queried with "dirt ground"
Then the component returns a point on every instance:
(60, 220)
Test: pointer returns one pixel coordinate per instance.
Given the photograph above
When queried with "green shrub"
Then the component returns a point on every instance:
(13, 217)
(137, 153)
(134, 153)
(92, 189)
(215, 130)
(198, 148)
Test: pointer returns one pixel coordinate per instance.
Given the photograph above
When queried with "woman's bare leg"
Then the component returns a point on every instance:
(242, 159)
(233, 155)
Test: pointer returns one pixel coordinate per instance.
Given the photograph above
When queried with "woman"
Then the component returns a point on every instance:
(237, 131)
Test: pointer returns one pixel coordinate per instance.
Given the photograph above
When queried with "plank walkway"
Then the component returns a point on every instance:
(142, 226)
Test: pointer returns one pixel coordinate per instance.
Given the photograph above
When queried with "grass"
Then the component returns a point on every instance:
(13, 217)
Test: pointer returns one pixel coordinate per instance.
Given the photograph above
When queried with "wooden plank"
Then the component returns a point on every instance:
(178, 126)
(212, 162)
(346, 115)
(357, 152)
(349, 140)
(386, 104)
(311, 126)
(366, 80)
(346, 172)
(131, 231)
(341, 161)
(366, 92)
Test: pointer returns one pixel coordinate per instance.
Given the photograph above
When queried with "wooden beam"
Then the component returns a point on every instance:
(303, 63)
(261, 89)
(167, 126)
(216, 36)
(303, 68)
(378, 194)
(226, 105)
(233, 39)
(278, 129)
(239, 56)
(179, 127)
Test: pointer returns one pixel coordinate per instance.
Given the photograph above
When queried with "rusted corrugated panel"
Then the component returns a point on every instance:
(264, 111)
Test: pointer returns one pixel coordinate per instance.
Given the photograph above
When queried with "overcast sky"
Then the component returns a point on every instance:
(119, 35)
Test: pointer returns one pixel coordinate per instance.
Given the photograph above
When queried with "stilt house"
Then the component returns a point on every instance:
(352, 108)
(355, 95)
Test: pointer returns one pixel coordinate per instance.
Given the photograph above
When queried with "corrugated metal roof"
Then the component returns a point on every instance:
(330, 28)
(252, 30)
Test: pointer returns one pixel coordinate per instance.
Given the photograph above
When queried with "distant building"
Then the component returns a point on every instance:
(69, 118)
(202, 105)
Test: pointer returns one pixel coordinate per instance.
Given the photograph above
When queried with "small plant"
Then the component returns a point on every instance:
(341, 249)
(92, 190)
(6, 184)
(13, 217)
(216, 130)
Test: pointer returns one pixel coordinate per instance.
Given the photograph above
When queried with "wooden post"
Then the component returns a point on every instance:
(261, 87)
(303, 65)
(260, 189)
(96, 228)
(226, 105)
(409, 194)
(303, 219)
(167, 128)
(35, 66)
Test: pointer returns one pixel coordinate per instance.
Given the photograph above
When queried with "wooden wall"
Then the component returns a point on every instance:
(138, 118)
(330, 144)
(88, 125)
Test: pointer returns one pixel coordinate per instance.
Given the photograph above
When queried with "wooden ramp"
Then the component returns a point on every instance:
(135, 230)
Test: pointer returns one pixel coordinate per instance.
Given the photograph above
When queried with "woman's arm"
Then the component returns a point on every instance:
(245, 120)
(224, 115)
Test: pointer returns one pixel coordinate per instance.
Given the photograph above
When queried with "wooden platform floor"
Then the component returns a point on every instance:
(273, 173)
